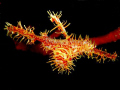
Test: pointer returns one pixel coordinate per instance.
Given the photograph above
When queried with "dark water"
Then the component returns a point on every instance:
(26, 70)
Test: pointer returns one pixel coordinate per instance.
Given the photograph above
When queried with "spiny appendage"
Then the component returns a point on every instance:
(20, 33)
(45, 33)
(52, 14)
(58, 24)
(92, 52)
(61, 59)
(55, 17)
(103, 55)
(84, 47)
(63, 56)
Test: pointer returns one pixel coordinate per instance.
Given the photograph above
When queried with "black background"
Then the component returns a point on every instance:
(23, 70)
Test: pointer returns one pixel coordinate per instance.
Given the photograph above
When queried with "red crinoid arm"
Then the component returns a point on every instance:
(21, 46)
(110, 37)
